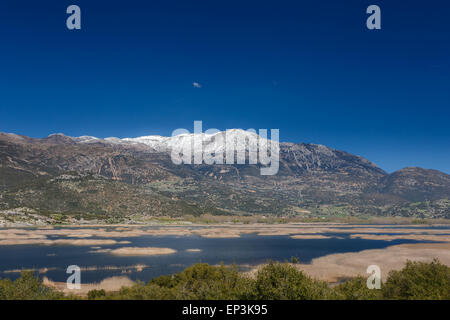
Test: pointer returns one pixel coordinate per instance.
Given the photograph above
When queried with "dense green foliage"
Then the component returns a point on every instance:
(356, 289)
(198, 282)
(419, 280)
(96, 294)
(277, 281)
(27, 287)
(274, 281)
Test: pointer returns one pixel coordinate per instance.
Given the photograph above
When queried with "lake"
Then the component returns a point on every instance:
(246, 250)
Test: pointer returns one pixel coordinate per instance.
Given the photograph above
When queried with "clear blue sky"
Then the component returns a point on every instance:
(309, 68)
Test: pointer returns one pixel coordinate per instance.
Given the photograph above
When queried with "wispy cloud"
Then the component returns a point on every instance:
(196, 85)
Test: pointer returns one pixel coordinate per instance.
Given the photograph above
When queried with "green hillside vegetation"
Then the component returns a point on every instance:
(275, 281)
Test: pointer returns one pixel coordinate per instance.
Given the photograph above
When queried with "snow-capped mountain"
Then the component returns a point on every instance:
(211, 143)
(115, 177)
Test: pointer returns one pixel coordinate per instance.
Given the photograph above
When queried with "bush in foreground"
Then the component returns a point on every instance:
(419, 280)
(27, 287)
(274, 281)
(281, 281)
(198, 282)
(356, 289)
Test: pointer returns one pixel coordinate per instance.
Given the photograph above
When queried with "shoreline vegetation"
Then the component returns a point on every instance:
(272, 281)
(334, 267)
(24, 217)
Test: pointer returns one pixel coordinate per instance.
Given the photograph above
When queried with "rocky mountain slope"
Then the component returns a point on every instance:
(113, 179)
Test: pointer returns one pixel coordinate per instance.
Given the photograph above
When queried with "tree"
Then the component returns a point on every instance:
(27, 287)
(277, 281)
(96, 294)
(419, 280)
(356, 289)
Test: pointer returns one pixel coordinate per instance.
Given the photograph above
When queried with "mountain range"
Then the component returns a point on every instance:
(62, 177)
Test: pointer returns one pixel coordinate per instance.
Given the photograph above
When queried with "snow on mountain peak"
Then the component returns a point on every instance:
(212, 142)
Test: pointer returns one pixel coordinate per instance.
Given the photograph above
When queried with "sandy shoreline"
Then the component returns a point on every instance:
(109, 284)
(335, 267)
(124, 269)
(85, 235)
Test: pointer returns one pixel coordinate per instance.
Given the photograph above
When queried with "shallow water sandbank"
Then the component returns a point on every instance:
(138, 251)
(108, 284)
(72, 242)
(335, 267)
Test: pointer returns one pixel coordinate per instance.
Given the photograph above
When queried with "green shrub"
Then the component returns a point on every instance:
(143, 292)
(198, 282)
(205, 282)
(419, 280)
(278, 281)
(356, 289)
(274, 281)
(27, 287)
(96, 294)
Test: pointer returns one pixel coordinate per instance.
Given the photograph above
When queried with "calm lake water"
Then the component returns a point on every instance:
(246, 250)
